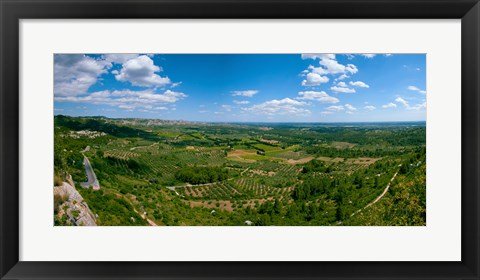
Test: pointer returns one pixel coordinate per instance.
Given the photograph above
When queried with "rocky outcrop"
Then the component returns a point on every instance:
(72, 209)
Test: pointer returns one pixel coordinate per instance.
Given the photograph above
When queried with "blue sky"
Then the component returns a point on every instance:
(243, 87)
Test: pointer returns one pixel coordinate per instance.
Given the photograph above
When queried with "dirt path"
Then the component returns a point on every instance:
(378, 198)
(150, 222)
(202, 185)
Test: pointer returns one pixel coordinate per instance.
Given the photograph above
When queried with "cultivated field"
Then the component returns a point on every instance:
(244, 174)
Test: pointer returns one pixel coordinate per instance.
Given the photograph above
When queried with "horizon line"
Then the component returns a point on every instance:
(226, 122)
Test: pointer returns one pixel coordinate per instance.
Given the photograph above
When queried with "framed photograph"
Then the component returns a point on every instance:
(237, 139)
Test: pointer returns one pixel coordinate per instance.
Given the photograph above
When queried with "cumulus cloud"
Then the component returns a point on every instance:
(318, 56)
(127, 99)
(350, 107)
(241, 102)
(332, 65)
(351, 68)
(342, 89)
(245, 93)
(314, 79)
(328, 66)
(369, 108)
(119, 58)
(414, 88)
(389, 105)
(402, 101)
(74, 74)
(335, 108)
(284, 106)
(368, 55)
(319, 96)
(341, 77)
(407, 106)
(140, 71)
(419, 106)
(359, 84)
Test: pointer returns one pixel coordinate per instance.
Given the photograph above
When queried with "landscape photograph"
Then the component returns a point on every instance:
(309, 139)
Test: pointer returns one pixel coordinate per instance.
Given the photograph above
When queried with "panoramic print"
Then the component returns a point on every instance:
(239, 140)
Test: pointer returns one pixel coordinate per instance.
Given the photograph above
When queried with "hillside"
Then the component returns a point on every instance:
(155, 172)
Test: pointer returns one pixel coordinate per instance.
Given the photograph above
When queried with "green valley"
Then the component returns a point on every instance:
(179, 173)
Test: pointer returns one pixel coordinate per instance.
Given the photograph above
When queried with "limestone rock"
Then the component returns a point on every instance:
(73, 207)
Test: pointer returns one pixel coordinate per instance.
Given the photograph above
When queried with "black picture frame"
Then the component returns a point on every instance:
(11, 11)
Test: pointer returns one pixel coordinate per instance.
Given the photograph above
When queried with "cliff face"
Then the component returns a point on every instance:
(71, 208)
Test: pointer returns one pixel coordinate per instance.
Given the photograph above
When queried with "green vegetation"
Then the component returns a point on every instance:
(176, 173)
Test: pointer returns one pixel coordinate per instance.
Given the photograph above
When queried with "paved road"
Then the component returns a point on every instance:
(91, 178)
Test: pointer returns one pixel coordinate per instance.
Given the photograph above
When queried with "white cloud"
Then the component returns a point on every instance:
(359, 84)
(119, 58)
(388, 54)
(350, 107)
(245, 93)
(335, 108)
(241, 102)
(127, 99)
(328, 66)
(314, 79)
(368, 55)
(326, 113)
(408, 106)
(419, 106)
(160, 108)
(402, 101)
(342, 89)
(74, 74)
(389, 105)
(284, 106)
(332, 65)
(319, 96)
(318, 55)
(140, 71)
(227, 108)
(369, 108)
(341, 77)
(175, 84)
(414, 88)
(351, 68)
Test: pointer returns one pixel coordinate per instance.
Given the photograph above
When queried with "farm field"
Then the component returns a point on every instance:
(173, 173)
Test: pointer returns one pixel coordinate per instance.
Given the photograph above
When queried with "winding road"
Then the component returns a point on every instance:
(91, 177)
